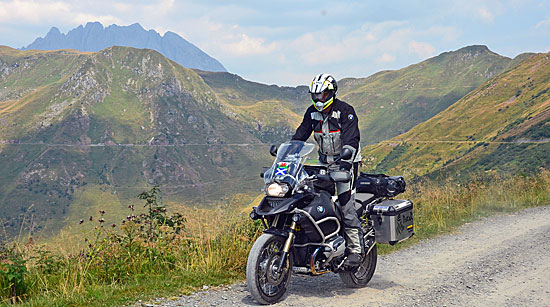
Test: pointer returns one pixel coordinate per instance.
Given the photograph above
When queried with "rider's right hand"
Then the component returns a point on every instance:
(345, 166)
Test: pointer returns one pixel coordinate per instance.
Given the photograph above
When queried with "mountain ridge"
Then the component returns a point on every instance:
(92, 129)
(391, 102)
(94, 37)
(59, 105)
(503, 125)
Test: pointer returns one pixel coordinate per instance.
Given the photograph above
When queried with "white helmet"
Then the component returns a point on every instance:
(323, 90)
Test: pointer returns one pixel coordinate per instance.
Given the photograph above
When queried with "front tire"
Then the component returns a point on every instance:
(360, 276)
(263, 282)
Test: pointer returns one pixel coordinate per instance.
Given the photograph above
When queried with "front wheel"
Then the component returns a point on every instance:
(264, 282)
(360, 276)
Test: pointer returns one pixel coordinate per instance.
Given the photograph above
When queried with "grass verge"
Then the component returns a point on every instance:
(155, 253)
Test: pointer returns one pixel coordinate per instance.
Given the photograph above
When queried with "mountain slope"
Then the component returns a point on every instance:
(391, 102)
(94, 37)
(502, 125)
(75, 126)
(272, 112)
(85, 131)
(388, 103)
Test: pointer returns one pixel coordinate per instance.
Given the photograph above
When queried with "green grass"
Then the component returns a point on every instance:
(147, 255)
(210, 247)
(392, 102)
(512, 106)
(146, 97)
(439, 208)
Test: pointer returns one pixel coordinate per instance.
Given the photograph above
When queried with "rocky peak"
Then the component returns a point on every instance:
(94, 37)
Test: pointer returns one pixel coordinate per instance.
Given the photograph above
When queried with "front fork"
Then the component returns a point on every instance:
(288, 244)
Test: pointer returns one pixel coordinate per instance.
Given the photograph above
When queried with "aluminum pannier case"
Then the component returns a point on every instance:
(392, 220)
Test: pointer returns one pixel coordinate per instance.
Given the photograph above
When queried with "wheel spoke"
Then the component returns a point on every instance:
(270, 283)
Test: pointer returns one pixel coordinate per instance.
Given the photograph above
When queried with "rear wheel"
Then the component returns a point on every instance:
(264, 282)
(360, 276)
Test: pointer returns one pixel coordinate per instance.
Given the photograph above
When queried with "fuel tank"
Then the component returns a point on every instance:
(325, 218)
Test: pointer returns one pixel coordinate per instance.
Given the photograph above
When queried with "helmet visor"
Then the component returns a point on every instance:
(321, 97)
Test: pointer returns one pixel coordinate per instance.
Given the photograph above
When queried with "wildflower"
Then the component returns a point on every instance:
(81, 221)
(114, 225)
(101, 212)
(91, 218)
(101, 220)
(131, 207)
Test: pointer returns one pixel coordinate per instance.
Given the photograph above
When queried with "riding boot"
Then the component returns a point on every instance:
(354, 247)
(353, 241)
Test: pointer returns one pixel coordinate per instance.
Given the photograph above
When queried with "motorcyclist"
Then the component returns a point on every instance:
(335, 127)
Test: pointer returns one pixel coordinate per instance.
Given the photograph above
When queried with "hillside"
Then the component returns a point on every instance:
(86, 131)
(391, 102)
(94, 37)
(388, 103)
(82, 132)
(502, 125)
(272, 112)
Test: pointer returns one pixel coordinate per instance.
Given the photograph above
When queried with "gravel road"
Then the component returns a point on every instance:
(497, 261)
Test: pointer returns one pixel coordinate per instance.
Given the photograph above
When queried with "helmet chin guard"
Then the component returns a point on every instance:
(320, 106)
(323, 90)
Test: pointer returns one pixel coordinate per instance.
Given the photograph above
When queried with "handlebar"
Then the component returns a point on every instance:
(336, 176)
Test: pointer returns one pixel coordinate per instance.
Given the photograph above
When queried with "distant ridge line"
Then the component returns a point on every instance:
(466, 141)
(14, 142)
(393, 143)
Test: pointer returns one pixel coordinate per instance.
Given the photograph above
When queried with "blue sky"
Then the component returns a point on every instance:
(288, 42)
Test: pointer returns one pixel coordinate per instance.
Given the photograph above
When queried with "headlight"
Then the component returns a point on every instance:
(275, 189)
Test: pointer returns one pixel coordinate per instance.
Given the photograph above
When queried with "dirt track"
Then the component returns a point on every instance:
(498, 261)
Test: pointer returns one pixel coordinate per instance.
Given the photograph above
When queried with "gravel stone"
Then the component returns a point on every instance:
(498, 261)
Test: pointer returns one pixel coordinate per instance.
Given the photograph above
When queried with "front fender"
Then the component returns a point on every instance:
(275, 205)
(276, 232)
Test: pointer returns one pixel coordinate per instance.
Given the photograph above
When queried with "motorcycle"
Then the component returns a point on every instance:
(303, 231)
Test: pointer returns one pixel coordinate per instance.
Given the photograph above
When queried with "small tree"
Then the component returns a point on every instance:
(157, 215)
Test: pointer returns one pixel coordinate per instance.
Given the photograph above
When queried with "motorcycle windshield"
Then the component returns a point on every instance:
(288, 165)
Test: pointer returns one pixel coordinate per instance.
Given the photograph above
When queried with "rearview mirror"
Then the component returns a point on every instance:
(273, 150)
(346, 154)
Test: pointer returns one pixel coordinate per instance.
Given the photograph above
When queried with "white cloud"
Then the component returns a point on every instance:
(159, 8)
(386, 58)
(423, 50)
(446, 34)
(53, 13)
(122, 7)
(543, 23)
(485, 15)
(106, 20)
(33, 12)
(247, 46)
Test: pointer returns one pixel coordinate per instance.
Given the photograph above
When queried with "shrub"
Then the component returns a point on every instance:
(13, 271)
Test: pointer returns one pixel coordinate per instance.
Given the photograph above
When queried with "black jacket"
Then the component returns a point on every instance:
(333, 131)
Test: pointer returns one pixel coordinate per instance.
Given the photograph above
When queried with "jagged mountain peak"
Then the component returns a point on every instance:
(94, 37)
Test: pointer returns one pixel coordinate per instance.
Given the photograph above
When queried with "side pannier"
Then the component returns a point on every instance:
(380, 185)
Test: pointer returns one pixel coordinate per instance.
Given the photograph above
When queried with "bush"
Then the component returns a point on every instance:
(156, 253)
(13, 271)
